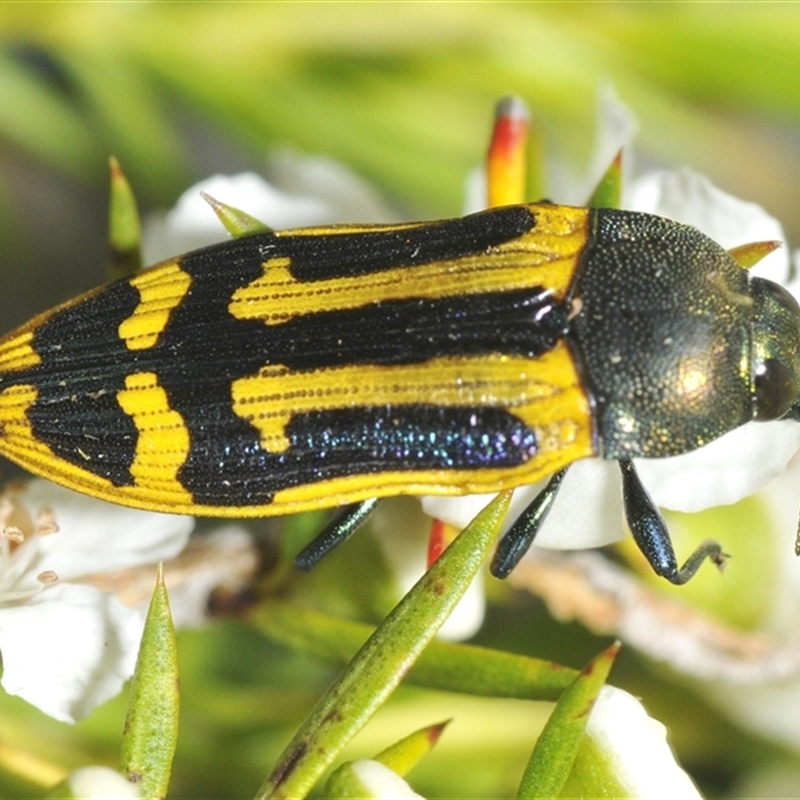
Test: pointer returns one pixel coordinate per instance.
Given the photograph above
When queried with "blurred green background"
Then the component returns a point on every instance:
(403, 93)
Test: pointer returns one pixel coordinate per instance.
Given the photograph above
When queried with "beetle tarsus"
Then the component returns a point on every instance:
(708, 549)
(520, 535)
(651, 534)
(338, 531)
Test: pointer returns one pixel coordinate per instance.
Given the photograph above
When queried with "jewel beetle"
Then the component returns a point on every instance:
(321, 367)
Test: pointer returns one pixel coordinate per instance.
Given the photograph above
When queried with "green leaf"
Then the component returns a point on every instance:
(557, 746)
(238, 223)
(464, 668)
(151, 725)
(403, 756)
(608, 192)
(385, 658)
(124, 227)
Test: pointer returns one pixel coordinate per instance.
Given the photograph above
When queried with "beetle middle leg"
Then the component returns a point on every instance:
(519, 537)
(652, 536)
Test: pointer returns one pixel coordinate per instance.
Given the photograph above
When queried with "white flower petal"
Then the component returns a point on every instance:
(637, 745)
(793, 283)
(725, 470)
(68, 649)
(466, 618)
(616, 128)
(379, 782)
(689, 197)
(95, 536)
(455, 511)
(404, 534)
(100, 783)
(475, 190)
(587, 511)
(346, 195)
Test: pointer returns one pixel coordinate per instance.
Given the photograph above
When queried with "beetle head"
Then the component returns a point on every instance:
(775, 353)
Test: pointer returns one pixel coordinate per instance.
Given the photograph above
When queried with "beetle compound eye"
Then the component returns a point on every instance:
(775, 390)
(775, 354)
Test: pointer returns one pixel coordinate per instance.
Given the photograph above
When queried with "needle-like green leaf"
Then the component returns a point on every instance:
(151, 726)
(385, 658)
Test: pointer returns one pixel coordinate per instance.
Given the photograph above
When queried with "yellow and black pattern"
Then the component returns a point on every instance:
(308, 368)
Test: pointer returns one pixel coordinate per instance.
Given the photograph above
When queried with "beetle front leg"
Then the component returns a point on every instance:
(652, 536)
(337, 532)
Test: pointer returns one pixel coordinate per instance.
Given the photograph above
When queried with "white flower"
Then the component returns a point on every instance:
(632, 757)
(67, 646)
(97, 783)
(367, 778)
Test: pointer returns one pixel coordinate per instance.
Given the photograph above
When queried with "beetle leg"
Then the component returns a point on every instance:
(651, 535)
(336, 532)
(521, 534)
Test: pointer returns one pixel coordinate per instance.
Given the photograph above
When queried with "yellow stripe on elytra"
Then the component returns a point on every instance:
(546, 256)
(553, 405)
(161, 291)
(159, 453)
(19, 443)
(530, 388)
(17, 353)
(163, 443)
(556, 408)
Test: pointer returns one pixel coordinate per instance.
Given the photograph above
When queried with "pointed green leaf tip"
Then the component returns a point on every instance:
(151, 725)
(557, 746)
(608, 192)
(404, 755)
(124, 227)
(379, 666)
(238, 223)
